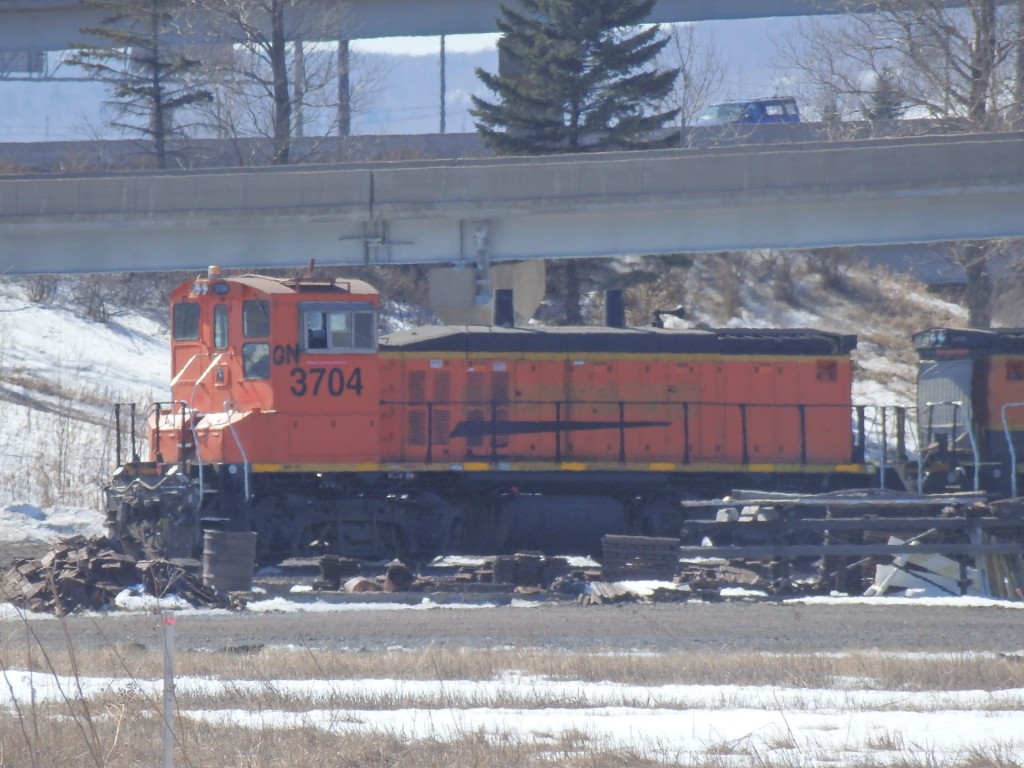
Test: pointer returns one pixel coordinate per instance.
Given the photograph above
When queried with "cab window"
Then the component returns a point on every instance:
(220, 327)
(256, 360)
(185, 321)
(255, 319)
(337, 327)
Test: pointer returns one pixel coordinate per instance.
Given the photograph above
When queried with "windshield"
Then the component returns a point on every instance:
(722, 113)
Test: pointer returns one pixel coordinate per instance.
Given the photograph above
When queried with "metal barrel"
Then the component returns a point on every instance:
(229, 558)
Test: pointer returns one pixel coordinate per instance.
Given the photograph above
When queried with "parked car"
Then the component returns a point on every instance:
(778, 109)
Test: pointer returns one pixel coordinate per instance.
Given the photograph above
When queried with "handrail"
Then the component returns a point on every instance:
(188, 365)
(968, 428)
(187, 417)
(1013, 448)
(617, 420)
(229, 410)
(213, 364)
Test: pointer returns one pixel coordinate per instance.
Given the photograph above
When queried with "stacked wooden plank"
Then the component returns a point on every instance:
(639, 557)
(87, 574)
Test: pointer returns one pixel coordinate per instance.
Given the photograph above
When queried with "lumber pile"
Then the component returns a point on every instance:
(639, 557)
(87, 574)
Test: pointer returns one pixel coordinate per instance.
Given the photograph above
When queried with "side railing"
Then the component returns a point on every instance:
(120, 431)
(886, 435)
(959, 426)
(488, 426)
(174, 409)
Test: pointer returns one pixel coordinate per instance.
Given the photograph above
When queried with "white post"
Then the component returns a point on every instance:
(167, 617)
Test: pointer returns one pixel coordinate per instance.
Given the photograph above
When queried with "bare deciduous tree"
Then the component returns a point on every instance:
(947, 62)
(283, 74)
(956, 64)
(701, 73)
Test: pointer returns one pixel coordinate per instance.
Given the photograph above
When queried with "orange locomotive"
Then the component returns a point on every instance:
(290, 417)
(970, 393)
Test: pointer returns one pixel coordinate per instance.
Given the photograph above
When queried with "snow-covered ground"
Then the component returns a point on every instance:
(855, 722)
(59, 376)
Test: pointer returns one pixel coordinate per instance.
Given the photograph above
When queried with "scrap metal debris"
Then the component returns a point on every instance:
(87, 574)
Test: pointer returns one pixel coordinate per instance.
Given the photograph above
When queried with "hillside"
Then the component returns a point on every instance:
(60, 373)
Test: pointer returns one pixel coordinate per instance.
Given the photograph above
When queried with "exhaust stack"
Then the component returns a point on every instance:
(504, 311)
(614, 308)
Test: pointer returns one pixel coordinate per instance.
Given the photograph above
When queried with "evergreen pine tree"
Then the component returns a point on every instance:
(579, 75)
(149, 77)
(887, 102)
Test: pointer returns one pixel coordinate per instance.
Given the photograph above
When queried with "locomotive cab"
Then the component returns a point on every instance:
(971, 408)
(269, 371)
(270, 377)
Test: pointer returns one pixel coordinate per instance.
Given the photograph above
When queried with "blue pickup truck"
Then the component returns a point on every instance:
(777, 109)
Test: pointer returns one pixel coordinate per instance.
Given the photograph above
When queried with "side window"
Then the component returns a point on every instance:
(337, 327)
(185, 321)
(220, 327)
(339, 330)
(256, 360)
(365, 330)
(255, 319)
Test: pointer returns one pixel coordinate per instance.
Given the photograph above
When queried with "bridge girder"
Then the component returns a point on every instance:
(50, 25)
(872, 192)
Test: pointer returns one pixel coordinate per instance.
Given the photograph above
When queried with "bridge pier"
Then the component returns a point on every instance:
(464, 295)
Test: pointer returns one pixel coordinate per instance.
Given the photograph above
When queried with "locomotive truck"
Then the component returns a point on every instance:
(292, 417)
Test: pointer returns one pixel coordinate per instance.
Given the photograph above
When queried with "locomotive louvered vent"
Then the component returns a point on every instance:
(441, 427)
(501, 415)
(442, 386)
(499, 386)
(417, 427)
(417, 387)
(476, 382)
(476, 437)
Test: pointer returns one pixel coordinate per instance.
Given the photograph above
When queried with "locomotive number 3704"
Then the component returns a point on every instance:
(332, 382)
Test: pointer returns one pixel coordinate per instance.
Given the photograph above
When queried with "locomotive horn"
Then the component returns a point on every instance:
(679, 312)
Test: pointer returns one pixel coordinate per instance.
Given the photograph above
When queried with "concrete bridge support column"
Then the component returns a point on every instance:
(457, 298)
(344, 94)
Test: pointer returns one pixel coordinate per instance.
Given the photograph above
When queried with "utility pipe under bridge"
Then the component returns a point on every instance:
(477, 212)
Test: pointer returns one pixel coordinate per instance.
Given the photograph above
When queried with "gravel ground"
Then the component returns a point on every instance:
(729, 626)
(767, 626)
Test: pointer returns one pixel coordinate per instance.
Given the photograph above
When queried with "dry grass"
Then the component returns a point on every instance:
(863, 671)
(120, 724)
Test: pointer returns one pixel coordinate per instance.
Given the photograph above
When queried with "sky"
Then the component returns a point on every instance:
(428, 46)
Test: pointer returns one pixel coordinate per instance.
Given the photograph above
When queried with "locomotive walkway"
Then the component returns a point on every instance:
(479, 211)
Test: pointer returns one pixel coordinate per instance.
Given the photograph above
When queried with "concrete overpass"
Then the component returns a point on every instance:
(49, 25)
(482, 211)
